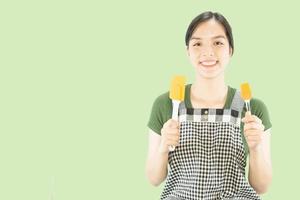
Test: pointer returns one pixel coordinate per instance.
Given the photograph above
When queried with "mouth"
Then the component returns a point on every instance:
(209, 63)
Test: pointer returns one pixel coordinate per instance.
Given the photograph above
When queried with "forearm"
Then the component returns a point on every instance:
(260, 171)
(157, 167)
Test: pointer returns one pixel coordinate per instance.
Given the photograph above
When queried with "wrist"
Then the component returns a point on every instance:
(163, 150)
(257, 150)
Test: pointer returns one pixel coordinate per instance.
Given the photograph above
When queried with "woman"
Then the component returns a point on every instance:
(210, 156)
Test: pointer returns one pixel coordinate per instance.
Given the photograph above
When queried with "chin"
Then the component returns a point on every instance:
(210, 74)
(209, 77)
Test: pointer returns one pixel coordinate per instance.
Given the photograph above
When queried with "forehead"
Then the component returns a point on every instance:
(209, 29)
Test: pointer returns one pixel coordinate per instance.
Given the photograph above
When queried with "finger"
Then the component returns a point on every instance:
(173, 137)
(167, 123)
(172, 131)
(253, 138)
(252, 133)
(257, 119)
(248, 113)
(253, 126)
(251, 118)
(172, 142)
(170, 123)
(173, 123)
(247, 117)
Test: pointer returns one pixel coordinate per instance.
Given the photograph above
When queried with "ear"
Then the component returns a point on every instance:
(187, 51)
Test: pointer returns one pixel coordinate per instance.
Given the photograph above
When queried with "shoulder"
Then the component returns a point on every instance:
(259, 109)
(258, 106)
(163, 101)
(161, 112)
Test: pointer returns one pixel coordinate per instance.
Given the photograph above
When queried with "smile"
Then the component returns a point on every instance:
(209, 63)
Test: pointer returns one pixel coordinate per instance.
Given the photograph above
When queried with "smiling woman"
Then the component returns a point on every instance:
(209, 45)
(214, 135)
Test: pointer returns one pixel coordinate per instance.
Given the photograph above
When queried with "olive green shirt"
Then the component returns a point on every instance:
(162, 110)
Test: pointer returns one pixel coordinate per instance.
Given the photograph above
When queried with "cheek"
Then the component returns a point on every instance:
(192, 56)
(225, 57)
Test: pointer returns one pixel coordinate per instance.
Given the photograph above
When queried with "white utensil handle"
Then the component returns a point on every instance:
(175, 117)
(248, 108)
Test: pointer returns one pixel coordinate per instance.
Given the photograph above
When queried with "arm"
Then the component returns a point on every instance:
(157, 161)
(260, 166)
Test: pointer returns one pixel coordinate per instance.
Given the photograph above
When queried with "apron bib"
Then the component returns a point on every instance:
(210, 161)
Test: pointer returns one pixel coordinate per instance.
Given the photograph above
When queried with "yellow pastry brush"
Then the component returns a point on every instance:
(246, 95)
(177, 91)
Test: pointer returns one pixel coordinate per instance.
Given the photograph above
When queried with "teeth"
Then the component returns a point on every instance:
(209, 62)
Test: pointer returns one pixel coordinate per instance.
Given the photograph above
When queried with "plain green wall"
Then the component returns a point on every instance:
(78, 79)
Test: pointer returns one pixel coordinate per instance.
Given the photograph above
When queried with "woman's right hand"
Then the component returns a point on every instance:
(169, 135)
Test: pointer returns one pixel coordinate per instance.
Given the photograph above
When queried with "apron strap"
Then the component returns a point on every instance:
(237, 102)
(182, 105)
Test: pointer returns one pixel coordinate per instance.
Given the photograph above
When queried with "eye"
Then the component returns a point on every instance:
(197, 44)
(218, 43)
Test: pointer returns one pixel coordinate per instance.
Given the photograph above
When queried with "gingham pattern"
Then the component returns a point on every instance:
(209, 162)
(209, 115)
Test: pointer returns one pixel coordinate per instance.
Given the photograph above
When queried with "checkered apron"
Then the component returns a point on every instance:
(209, 162)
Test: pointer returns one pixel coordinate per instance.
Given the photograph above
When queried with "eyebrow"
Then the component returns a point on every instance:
(215, 37)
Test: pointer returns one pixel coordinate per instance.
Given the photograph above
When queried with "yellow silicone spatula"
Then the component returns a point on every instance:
(177, 91)
(246, 95)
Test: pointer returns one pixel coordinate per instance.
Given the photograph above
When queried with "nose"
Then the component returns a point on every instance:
(207, 51)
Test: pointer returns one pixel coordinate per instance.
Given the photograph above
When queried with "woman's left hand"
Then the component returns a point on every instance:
(253, 131)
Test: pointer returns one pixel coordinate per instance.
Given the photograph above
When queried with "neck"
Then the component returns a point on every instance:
(210, 90)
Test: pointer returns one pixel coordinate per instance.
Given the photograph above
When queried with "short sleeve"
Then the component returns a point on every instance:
(160, 113)
(259, 109)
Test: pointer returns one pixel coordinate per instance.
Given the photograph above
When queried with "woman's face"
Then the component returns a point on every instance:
(209, 50)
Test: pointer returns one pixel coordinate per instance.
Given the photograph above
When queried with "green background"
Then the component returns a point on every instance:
(78, 79)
